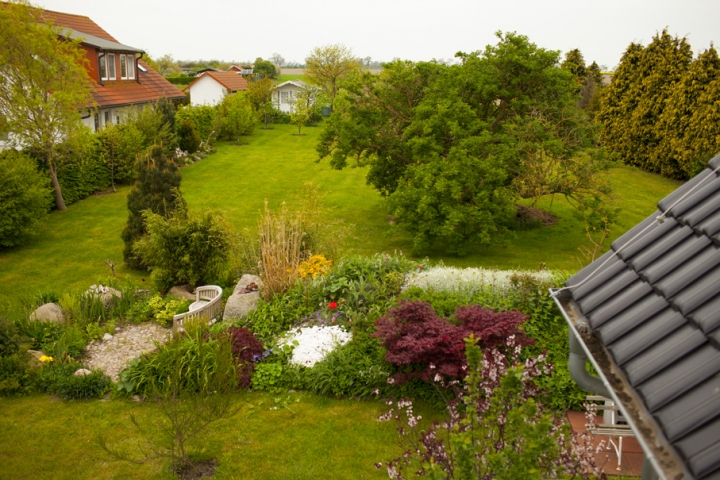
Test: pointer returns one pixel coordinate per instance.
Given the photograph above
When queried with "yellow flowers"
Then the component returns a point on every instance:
(314, 266)
(46, 359)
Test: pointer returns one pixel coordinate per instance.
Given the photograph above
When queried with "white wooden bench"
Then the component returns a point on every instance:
(610, 426)
(207, 304)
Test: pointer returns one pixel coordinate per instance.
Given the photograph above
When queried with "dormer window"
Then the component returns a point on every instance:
(103, 68)
(127, 67)
(111, 66)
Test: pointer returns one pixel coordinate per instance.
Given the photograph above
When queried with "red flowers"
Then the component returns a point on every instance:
(332, 305)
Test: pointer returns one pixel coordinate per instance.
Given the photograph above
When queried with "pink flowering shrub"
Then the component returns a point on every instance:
(415, 336)
(495, 429)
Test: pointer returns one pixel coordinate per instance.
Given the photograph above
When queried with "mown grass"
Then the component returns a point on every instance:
(69, 251)
(321, 438)
(290, 76)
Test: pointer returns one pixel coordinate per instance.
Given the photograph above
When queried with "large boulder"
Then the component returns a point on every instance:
(50, 312)
(245, 297)
(107, 295)
(182, 291)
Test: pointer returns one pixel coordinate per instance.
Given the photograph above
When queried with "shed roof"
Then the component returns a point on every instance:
(230, 80)
(653, 303)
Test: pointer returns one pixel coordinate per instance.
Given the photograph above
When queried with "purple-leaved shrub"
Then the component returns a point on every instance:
(414, 336)
(246, 350)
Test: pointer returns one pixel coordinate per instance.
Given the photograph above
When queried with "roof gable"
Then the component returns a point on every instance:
(232, 81)
(653, 303)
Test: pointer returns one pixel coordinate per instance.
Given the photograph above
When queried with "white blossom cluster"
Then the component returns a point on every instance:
(451, 278)
(314, 343)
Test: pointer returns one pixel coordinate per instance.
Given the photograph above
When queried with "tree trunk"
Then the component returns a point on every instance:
(59, 200)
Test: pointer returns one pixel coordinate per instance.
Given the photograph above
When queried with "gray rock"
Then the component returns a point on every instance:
(50, 312)
(35, 358)
(246, 280)
(81, 372)
(183, 291)
(107, 337)
(240, 303)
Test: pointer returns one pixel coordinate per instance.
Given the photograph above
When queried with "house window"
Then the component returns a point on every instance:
(131, 67)
(285, 97)
(111, 66)
(123, 68)
(107, 117)
(103, 68)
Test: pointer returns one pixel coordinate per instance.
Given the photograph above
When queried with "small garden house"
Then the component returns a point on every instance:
(285, 93)
(211, 87)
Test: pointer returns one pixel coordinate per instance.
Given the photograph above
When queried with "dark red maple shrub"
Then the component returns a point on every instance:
(245, 348)
(414, 336)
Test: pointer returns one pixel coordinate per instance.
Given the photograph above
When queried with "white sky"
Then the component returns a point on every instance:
(384, 29)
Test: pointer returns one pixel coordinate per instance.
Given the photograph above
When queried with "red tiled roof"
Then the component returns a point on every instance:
(151, 86)
(230, 80)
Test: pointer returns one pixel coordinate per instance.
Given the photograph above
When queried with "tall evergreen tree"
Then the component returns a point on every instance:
(157, 189)
(575, 64)
(634, 102)
(689, 123)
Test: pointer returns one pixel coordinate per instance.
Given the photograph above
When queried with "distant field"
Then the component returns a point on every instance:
(70, 249)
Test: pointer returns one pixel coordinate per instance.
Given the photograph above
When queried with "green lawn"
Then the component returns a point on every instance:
(68, 253)
(290, 76)
(43, 437)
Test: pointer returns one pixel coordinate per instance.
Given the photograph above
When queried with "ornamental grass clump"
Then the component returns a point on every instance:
(495, 429)
(281, 250)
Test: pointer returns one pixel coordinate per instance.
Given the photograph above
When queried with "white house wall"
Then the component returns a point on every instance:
(283, 101)
(206, 91)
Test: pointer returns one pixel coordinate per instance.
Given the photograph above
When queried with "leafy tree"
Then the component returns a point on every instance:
(277, 59)
(449, 144)
(157, 190)
(633, 103)
(166, 65)
(155, 128)
(235, 116)
(260, 94)
(24, 197)
(264, 68)
(42, 83)
(328, 66)
(304, 106)
(166, 108)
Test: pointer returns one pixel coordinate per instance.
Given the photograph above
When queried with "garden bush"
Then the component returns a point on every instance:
(25, 197)
(424, 345)
(496, 428)
(189, 139)
(16, 375)
(59, 379)
(202, 119)
(246, 351)
(183, 248)
(235, 117)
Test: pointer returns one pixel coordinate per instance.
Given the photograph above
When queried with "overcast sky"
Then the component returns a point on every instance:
(386, 29)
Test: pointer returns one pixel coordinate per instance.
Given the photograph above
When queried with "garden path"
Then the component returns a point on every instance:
(129, 342)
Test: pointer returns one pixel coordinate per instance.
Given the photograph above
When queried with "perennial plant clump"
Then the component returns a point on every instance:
(453, 279)
(314, 266)
(495, 427)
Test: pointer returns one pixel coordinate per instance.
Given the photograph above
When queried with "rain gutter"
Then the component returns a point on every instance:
(600, 385)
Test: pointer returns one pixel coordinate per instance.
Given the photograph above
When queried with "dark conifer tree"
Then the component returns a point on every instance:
(157, 188)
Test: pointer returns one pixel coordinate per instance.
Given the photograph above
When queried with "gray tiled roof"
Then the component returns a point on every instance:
(655, 306)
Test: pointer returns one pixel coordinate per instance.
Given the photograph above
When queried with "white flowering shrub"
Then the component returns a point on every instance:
(313, 343)
(451, 278)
